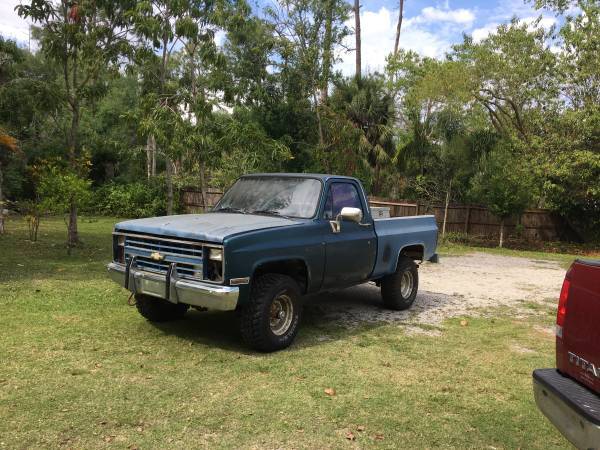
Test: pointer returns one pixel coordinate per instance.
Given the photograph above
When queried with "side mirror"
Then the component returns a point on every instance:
(347, 213)
(351, 214)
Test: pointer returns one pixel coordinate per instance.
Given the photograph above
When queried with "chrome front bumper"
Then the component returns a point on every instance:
(175, 290)
(571, 408)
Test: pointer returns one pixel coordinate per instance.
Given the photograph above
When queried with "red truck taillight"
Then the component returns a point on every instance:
(562, 304)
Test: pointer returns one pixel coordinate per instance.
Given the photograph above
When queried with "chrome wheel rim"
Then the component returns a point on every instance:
(406, 284)
(281, 314)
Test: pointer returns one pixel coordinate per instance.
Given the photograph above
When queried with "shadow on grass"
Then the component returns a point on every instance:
(326, 317)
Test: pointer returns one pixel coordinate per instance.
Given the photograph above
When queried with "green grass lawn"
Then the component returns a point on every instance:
(81, 369)
(564, 259)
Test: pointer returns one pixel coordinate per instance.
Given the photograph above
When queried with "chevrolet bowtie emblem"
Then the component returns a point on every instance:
(157, 256)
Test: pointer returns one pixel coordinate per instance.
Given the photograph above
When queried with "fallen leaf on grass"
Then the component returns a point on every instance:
(330, 391)
(350, 436)
(378, 437)
(464, 323)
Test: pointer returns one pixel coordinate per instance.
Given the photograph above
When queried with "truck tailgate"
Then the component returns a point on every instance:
(578, 350)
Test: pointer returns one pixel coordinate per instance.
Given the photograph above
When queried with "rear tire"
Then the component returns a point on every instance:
(399, 289)
(270, 320)
(158, 309)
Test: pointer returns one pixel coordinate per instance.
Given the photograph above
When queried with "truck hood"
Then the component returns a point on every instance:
(210, 227)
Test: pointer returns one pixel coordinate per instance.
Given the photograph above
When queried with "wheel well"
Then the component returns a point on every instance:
(293, 268)
(415, 252)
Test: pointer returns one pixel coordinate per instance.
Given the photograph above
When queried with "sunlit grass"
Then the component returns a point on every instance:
(81, 369)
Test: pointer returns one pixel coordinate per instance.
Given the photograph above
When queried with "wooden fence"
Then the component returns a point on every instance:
(192, 201)
(533, 224)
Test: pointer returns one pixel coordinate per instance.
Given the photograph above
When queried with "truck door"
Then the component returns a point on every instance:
(350, 254)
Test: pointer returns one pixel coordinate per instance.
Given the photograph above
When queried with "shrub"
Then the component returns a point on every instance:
(139, 199)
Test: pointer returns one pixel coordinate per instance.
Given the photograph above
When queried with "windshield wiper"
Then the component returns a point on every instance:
(268, 212)
(233, 210)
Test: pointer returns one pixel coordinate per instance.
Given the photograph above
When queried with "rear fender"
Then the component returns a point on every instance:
(415, 251)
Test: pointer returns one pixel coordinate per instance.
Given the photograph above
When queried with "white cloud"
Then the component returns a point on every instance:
(431, 14)
(378, 33)
(481, 33)
(545, 22)
(11, 25)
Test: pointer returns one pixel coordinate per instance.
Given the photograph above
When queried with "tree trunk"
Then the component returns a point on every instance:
(1, 204)
(151, 156)
(327, 52)
(72, 234)
(203, 187)
(399, 27)
(169, 179)
(448, 193)
(501, 233)
(319, 123)
(357, 38)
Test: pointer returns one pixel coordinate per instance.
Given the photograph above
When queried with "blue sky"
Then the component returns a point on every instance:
(429, 27)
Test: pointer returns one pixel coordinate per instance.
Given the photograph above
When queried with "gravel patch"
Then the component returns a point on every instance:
(457, 286)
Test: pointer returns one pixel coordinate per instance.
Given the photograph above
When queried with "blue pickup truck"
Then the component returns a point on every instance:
(270, 240)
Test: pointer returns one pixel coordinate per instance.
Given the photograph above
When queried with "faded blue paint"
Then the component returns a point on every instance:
(397, 233)
(355, 255)
(211, 227)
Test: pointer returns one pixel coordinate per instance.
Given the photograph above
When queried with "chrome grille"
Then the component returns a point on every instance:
(186, 255)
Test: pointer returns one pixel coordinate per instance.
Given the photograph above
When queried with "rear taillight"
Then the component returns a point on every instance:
(562, 304)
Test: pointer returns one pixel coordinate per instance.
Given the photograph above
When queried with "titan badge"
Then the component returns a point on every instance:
(585, 365)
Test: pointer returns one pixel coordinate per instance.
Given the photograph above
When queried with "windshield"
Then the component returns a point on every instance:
(280, 196)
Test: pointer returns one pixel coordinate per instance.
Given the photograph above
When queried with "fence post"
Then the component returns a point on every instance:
(467, 219)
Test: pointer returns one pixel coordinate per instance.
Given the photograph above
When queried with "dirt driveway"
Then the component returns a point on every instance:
(458, 286)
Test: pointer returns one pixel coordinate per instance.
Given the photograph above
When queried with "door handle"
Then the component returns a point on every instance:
(366, 225)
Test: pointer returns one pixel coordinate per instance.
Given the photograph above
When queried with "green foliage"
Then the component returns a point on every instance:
(573, 188)
(191, 109)
(369, 107)
(58, 187)
(502, 184)
(247, 149)
(136, 199)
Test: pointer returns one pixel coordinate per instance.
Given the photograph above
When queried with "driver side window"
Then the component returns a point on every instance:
(339, 196)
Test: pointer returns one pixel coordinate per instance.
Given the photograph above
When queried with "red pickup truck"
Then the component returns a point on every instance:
(570, 394)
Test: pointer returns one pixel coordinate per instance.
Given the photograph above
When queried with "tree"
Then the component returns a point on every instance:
(8, 144)
(86, 39)
(309, 32)
(510, 73)
(369, 106)
(357, 39)
(58, 186)
(399, 26)
(161, 25)
(503, 185)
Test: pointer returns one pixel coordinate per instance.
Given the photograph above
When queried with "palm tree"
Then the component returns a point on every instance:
(370, 108)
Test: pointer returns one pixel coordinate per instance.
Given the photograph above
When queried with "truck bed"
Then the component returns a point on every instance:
(396, 233)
